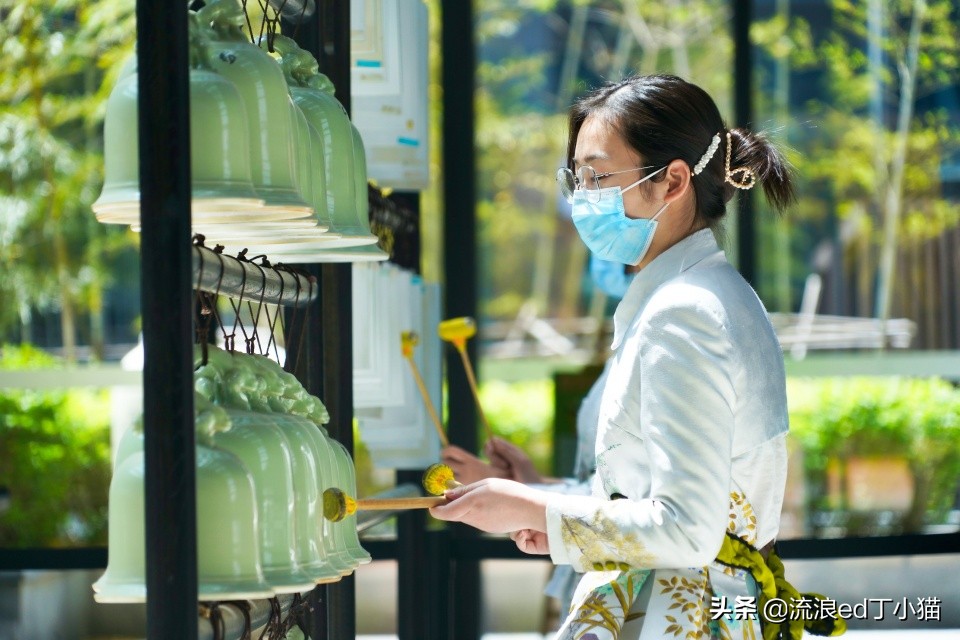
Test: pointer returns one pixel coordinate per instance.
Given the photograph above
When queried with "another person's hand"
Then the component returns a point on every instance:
(495, 506)
(468, 468)
(530, 541)
(513, 459)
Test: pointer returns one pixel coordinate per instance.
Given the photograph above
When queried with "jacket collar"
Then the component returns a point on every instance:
(665, 266)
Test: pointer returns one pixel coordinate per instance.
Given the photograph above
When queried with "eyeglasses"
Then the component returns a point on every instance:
(586, 178)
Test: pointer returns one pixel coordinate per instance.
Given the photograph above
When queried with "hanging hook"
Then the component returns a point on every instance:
(255, 337)
(238, 305)
(202, 324)
(279, 313)
(218, 251)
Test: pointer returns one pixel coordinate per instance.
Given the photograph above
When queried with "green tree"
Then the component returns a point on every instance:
(534, 259)
(862, 151)
(60, 59)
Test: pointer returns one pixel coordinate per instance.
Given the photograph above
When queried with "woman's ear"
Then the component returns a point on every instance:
(677, 180)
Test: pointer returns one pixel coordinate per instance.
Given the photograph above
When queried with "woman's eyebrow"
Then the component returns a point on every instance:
(597, 155)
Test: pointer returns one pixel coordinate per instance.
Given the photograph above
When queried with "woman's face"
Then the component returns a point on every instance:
(600, 146)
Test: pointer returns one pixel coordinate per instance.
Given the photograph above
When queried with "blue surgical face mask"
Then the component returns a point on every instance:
(605, 228)
(610, 277)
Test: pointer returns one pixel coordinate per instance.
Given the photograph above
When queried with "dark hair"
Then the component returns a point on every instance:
(664, 117)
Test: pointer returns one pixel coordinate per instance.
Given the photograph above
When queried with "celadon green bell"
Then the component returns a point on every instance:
(130, 442)
(313, 93)
(348, 478)
(228, 552)
(263, 90)
(219, 152)
(125, 578)
(336, 531)
(265, 451)
(228, 559)
(278, 389)
(328, 477)
(311, 554)
(363, 253)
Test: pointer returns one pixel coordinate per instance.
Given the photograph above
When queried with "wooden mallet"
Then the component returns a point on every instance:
(457, 331)
(409, 340)
(337, 505)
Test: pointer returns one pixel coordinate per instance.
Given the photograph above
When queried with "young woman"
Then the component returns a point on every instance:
(690, 451)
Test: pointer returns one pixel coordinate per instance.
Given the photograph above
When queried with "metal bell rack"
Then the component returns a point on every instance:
(170, 268)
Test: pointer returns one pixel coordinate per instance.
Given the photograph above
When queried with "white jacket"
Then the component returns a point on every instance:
(692, 433)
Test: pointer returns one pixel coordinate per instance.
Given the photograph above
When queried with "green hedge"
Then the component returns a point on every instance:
(830, 419)
(54, 459)
(918, 419)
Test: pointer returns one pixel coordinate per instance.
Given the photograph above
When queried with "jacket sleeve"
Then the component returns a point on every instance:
(684, 370)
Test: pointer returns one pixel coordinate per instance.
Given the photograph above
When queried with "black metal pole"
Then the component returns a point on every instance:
(166, 306)
(743, 114)
(413, 579)
(337, 348)
(460, 269)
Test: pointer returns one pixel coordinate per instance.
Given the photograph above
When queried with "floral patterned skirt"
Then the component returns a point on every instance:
(712, 602)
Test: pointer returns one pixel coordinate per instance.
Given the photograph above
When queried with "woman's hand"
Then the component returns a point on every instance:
(467, 468)
(495, 506)
(530, 541)
(513, 459)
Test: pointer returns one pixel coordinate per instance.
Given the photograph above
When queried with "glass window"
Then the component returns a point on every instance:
(864, 97)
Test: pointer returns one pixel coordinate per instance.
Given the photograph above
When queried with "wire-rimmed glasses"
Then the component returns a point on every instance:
(586, 178)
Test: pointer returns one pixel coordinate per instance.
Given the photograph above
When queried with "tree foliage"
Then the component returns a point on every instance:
(877, 127)
(59, 62)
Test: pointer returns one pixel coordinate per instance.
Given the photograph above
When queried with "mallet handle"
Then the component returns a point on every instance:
(380, 504)
(426, 401)
(472, 380)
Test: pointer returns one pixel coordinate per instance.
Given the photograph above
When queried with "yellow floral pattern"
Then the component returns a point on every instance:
(600, 541)
(679, 602)
(609, 606)
(743, 522)
(687, 619)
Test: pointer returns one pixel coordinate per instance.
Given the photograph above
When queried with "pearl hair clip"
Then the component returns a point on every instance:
(748, 177)
(708, 154)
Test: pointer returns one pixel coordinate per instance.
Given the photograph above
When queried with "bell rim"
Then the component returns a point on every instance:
(237, 590)
(206, 211)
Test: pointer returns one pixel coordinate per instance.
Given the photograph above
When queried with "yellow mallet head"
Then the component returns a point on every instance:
(337, 505)
(438, 478)
(457, 330)
(409, 340)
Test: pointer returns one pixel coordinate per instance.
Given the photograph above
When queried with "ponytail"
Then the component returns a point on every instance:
(753, 158)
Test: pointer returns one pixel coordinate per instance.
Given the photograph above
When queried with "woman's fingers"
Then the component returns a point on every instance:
(495, 505)
(530, 541)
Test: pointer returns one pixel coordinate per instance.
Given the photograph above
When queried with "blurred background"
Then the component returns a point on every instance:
(861, 278)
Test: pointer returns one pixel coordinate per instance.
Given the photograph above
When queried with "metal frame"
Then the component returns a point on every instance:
(167, 310)
(460, 260)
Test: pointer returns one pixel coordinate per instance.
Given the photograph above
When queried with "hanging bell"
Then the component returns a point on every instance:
(306, 471)
(125, 578)
(313, 93)
(348, 252)
(228, 561)
(335, 190)
(271, 132)
(265, 451)
(348, 480)
(221, 185)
